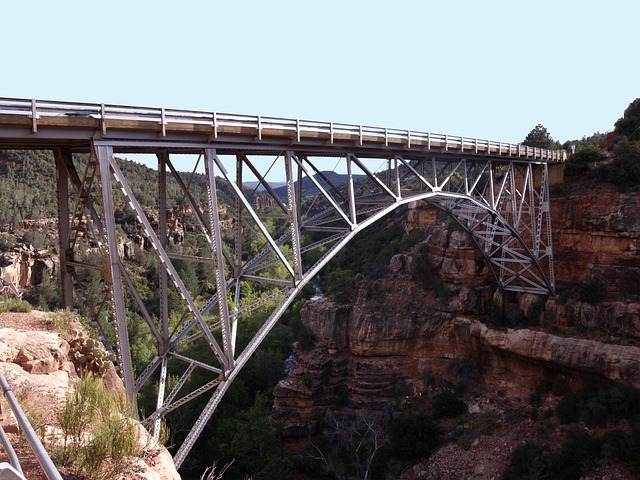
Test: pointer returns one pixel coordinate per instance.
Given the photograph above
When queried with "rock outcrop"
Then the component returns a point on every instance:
(37, 367)
(25, 267)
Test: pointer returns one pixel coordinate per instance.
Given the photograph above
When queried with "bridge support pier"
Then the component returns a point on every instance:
(556, 174)
(63, 158)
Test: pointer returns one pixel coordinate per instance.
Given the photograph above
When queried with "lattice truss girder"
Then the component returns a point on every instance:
(260, 252)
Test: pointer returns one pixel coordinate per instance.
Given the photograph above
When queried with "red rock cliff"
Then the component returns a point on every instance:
(397, 338)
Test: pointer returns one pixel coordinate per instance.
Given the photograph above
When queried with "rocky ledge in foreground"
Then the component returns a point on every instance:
(37, 366)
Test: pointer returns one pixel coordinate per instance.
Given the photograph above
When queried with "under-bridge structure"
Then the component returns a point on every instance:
(256, 257)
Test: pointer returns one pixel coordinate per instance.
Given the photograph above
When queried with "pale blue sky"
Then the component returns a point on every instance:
(486, 69)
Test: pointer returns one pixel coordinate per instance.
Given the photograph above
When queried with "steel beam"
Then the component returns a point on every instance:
(104, 155)
(503, 212)
(62, 157)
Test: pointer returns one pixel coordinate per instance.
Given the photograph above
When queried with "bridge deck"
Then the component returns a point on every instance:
(44, 124)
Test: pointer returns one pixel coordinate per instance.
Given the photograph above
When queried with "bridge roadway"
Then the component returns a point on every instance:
(497, 192)
(48, 124)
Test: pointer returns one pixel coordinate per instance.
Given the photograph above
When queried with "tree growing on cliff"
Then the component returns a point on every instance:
(580, 162)
(351, 446)
(625, 168)
(629, 124)
(539, 137)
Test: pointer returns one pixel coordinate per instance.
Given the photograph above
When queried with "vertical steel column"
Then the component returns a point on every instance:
(216, 236)
(396, 166)
(436, 186)
(292, 213)
(104, 154)
(388, 173)
(162, 213)
(299, 193)
(492, 198)
(351, 193)
(62, 157)
(157, 425)
(163, 284)
(545, 206)
(532, 210)
(239, 246)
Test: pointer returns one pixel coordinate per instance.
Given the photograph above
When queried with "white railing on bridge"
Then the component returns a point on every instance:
(36, 109)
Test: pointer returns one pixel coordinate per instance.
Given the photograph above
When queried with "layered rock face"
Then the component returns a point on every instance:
(597, 234)
(398, 337)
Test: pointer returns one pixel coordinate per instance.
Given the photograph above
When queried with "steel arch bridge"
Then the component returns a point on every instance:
(262, 257)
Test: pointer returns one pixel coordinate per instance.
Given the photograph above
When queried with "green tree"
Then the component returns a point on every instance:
(413, 437)
(527, 463)
(579, 162)
(254, 442)
(629, 124)
(539, 137)
(625, 169)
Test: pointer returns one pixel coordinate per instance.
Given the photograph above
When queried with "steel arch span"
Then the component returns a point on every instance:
(257, 246)
(503, 205)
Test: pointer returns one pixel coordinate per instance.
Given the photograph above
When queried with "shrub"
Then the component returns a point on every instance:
(447, 405)
(413, 437)
(7, 242)
(567, 409)
(527, 463)
(559, 387)
(514, 316)
(98, 434)
(625, 168)
(594, 404)
(580, 453)
(583, 159)
(15, 305)
(339, 284)
(629, 124)
(493, 313)
(35, 239)
(47, 295)
(593, 291)
(623, 447)
(535, 312)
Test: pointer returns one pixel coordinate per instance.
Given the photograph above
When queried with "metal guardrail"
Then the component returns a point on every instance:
(165, 117)
(45, 461)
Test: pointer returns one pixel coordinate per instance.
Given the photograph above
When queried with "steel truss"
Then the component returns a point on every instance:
(261, 258)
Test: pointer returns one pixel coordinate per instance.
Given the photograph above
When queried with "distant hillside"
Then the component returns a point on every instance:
(253, 185)
(308, 188)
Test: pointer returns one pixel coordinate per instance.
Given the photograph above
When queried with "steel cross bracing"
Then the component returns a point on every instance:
(257, 248)
(260, 258)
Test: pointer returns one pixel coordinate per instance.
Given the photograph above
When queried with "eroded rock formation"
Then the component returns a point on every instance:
(399, 336)
(25, 267)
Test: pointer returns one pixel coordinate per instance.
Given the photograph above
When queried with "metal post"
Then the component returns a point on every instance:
(162, 212)
(396, 166)
(11, 453)
(62, 157)
(163, 281)
(49, 468)
(157, 425)
(292, 213)
(351, 193)
(104, 154)
(221, 284)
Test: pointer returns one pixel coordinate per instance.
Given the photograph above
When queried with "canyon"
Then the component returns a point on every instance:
(401, 339)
